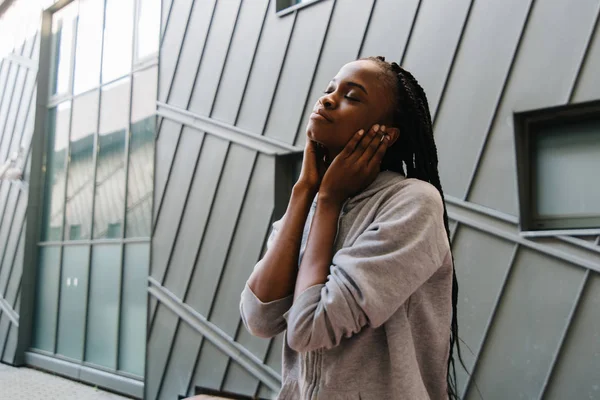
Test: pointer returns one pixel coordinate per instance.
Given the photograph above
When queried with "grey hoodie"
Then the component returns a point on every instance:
(379, 328)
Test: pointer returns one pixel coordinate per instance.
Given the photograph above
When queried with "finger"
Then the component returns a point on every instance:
(380, 152)
(374, 144)
(353, 142)
(366, 141)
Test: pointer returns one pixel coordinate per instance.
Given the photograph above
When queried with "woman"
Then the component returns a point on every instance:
(362, 276)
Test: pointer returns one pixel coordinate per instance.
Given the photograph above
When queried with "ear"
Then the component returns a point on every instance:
(394, 134)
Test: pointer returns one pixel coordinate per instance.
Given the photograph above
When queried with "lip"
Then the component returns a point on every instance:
(319, 114)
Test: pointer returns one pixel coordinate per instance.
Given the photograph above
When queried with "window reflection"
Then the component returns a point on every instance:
(89, 44)
(80, 182)
(63, 32)
(58, 134)
(148, 33)
(118, 39)
(110, 172)
(141, 154)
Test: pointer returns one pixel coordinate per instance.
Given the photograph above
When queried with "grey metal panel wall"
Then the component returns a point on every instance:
(527, 307)
(17, 111)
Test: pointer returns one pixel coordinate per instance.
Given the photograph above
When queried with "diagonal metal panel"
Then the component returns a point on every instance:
(527, 337)
(427, 55)
(298, 70)
(240, 60)
(226, 131)
(215, 335)
(210, 69)
(339, 46)
(192, 51)
(387, 13)
(564, 55)
(262, 80)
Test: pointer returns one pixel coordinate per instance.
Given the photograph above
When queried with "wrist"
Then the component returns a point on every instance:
(304, 190)
(331, 199)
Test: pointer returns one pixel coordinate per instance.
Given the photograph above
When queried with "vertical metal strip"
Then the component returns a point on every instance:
(176, 331)
(233, 234)
(240, 324)
(127, 157)
(312, 78)
(237, 114)
(72, 63)
(221, 273)
(35, 196)
(95, 174)
(5, 95)
(198, 250)
(249, 74)
(185, 31)
(486, 331)
(163, 29)
(453, 62)
(10, 103)
(160, 201)
(565, 333)
(366, 31)
(586, 53)
(410, 33)
(220, 79)
(4, 291)
(498, 102)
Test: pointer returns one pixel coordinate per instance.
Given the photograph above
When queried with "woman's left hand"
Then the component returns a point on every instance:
(356, 167)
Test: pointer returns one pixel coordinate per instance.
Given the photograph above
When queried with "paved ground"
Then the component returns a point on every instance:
(29, 384)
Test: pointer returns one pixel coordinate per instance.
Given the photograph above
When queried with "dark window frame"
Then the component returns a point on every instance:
(285, 7)
(526, 125)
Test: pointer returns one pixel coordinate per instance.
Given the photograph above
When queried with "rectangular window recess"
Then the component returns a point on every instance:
(558, 159)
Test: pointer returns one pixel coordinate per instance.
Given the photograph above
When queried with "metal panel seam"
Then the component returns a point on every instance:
(211, 332)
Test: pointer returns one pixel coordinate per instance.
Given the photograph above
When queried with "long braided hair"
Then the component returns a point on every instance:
(415, 149)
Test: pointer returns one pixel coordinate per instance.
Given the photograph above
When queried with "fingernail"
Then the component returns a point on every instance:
(375, 128)
(382, 128)
(361, 132)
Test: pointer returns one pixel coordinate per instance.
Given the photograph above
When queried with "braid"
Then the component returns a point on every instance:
(417, 150)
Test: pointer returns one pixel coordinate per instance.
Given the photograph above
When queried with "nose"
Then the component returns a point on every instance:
(328, 101)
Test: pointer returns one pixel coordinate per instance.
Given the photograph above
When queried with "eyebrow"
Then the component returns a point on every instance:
(354, 84)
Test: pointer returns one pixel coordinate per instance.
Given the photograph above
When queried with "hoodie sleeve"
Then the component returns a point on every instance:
(372, 278)
(264, 319)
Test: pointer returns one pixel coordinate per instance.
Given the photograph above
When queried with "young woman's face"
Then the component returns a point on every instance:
(356, 98)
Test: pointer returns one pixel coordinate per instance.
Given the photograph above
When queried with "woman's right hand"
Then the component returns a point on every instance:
(313, 167)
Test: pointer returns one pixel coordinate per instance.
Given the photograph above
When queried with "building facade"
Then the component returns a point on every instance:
(148, 146)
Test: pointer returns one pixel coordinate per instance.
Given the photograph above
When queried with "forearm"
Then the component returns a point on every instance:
(318, 254)
(275, 276)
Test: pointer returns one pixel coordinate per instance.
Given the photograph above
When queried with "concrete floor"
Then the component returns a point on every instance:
(30, 384)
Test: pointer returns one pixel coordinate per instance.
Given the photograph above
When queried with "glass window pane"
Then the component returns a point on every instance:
(73, 295)
(80, 181)
(148, 28)
(141, 154)
(63, 32)
(118, 39)
(569, 154)
(110, 175)
(133, 308)
(89, 44)
(54, 192)
(46, 300)
(103, 313)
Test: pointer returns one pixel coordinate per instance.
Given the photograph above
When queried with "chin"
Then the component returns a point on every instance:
(313, 134)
